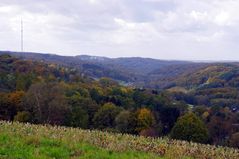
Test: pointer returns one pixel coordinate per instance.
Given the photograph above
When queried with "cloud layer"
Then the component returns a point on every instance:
(164, 29)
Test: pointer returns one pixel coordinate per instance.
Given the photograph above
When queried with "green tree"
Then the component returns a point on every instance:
(189, 127)
(6, 109)
(105, 116)
(126, 122)
(79, 118)
(23, 81)
(96, 95)
(82, 111)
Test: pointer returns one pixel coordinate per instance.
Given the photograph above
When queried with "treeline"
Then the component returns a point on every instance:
(52, 94)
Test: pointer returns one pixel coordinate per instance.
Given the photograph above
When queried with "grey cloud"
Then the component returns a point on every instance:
(196, 29)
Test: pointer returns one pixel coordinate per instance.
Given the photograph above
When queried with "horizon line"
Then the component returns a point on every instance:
(85, 54)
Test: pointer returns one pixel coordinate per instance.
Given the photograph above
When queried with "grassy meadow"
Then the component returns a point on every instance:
(26, 141)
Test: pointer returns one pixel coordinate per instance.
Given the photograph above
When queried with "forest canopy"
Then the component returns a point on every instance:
(49, 93)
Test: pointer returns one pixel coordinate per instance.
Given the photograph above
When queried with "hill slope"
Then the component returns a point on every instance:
(133, 69)
(214, 85)
(141, 72)
(36, 141)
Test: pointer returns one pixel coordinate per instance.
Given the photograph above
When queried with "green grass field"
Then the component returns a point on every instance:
(30, 147)
(25, 141)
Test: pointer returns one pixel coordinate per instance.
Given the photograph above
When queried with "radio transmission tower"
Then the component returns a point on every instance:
(21, 35)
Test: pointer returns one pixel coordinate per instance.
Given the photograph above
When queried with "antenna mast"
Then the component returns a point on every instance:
(21, 36)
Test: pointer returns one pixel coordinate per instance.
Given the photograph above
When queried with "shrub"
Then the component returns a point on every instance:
(22, 116)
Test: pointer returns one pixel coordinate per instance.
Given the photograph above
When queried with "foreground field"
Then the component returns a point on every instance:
(25, 141)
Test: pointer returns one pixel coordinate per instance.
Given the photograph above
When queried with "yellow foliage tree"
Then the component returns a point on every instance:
(145, 119)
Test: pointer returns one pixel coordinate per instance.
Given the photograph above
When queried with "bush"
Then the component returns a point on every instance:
(22, 116)
(150, 132)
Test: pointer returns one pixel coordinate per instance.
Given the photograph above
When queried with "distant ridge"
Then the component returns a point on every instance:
(139, 71)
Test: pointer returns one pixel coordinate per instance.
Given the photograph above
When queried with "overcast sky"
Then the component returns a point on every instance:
(163, 29)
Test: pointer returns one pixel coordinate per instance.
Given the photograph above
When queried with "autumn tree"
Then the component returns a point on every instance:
(16, 99)
(47, 103)
(107, 82)
(145, 119)
(220, 125)
(234, 140)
